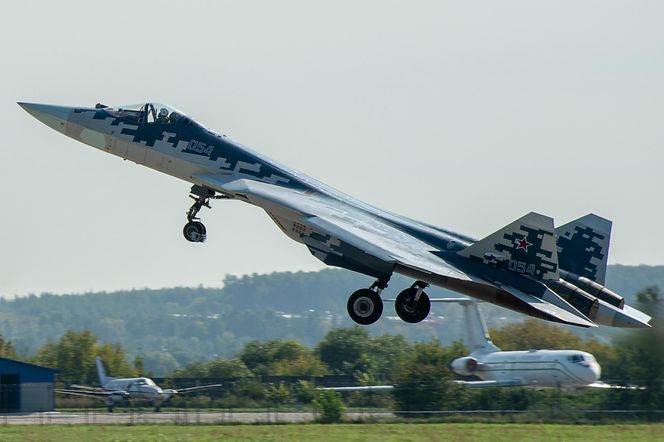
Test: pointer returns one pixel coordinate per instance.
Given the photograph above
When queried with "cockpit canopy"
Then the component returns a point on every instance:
(148, 113)
(580, 358)
(145, 381)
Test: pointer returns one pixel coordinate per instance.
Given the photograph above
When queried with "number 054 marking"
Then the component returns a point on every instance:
(521, 267)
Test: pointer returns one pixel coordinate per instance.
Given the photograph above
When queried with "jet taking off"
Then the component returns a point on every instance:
(527, 266)
(115, 390)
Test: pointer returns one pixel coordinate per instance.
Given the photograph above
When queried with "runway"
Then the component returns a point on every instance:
(179, 417)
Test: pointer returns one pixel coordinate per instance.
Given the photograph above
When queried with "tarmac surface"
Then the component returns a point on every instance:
(179, 417)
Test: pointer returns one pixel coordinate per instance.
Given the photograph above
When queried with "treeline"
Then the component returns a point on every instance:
(170, 328)
(418, 371)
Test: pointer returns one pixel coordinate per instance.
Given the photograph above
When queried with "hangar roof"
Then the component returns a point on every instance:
(28, 372)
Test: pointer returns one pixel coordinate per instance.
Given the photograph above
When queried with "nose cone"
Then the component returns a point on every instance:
(594, 372)
(591, 370)
(55, 117)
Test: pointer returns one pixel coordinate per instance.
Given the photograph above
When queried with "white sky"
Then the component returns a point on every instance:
(463, 114)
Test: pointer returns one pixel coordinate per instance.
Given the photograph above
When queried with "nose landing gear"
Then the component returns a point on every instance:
(194, 230)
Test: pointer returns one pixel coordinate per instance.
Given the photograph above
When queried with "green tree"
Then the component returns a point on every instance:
(423, 383)
(74, 355)
(281, 357)
(390, 353)
(534, 333)
(279, 394)
(227, 368)
(640, 356)
(330, 406)
(115, 360)
(303, 392)
(7, 349)
(347, 351)
(139, 365)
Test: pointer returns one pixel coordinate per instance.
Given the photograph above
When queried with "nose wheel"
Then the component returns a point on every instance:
(194, 230)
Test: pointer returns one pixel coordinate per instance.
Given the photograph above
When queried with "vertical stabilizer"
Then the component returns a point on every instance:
(525, 246)
(583, 246)
(103, 379)
(477, 339)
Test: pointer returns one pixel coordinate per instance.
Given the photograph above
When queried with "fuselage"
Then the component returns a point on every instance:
(183, 148)
(540, 368)
(138, 388)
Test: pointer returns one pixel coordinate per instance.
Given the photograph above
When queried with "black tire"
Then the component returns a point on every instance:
(194, 231)
(409, 310)
(365, 306)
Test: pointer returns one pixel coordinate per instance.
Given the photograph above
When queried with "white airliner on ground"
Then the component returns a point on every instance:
(496, 368)
(537, 368)
(115, 390)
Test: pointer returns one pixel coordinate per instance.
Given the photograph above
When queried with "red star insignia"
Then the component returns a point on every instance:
(523, 244)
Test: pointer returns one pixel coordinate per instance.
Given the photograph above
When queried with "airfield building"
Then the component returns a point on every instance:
(26, 387)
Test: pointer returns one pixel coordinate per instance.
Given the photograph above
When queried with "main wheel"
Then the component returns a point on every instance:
(409, 310)
(365, 306)
(194, 231)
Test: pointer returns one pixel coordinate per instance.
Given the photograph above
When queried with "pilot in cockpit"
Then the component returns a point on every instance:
(162, 117)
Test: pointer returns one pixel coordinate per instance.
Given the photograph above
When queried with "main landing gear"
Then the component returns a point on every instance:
(413, 305)
(194, 230)
(365, 306)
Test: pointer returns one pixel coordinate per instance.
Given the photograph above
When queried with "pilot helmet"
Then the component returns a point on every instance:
(163, 112)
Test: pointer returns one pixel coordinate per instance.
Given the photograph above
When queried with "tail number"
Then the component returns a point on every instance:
(199, 147)
(521, 267)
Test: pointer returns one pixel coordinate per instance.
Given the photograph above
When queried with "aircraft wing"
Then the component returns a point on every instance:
(600, 384)
(339, 234)
(386, 243)
(195, 389)
(551, 305)
(90, 393)
(485, 384)
(339, 222)
(359, 388)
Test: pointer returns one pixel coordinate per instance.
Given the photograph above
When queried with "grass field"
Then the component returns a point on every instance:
(341, 432)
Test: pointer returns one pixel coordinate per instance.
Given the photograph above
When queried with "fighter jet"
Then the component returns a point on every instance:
(527, 266)
(116, 390)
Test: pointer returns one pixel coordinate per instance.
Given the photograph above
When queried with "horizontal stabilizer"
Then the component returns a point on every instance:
(550, 310)
(583, 246)
(526, 246)
(638, 318)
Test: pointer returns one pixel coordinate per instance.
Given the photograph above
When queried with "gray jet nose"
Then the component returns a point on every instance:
(591, 372)
(55, 117)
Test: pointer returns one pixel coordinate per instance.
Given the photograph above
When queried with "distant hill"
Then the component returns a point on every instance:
(172, 327)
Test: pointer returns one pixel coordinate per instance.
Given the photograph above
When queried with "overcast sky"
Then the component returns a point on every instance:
(466, 115)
